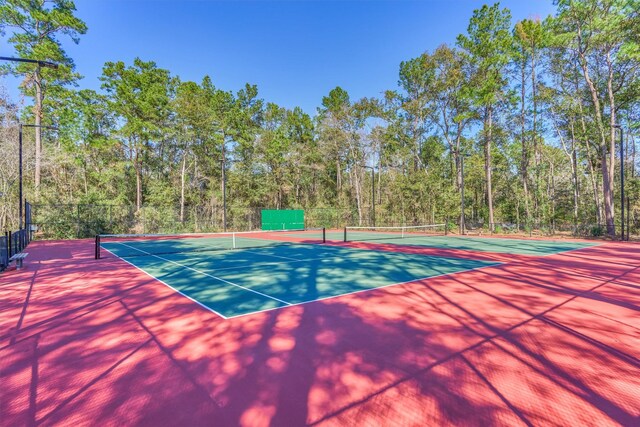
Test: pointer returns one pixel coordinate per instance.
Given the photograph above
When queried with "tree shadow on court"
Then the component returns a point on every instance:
(501, 346)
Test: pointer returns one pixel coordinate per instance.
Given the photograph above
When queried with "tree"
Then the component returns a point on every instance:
(334, 126)
(604, 36)
(528, 36)
(35, 26)
(85, 125)
(8, 160)
(141, 95)
(306, 163)
(194, 127)
(238, 119)
(489, 45)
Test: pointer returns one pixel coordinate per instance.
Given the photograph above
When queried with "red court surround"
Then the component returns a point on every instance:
(536, 341)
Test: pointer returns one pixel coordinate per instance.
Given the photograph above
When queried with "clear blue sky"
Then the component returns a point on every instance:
(295, 51)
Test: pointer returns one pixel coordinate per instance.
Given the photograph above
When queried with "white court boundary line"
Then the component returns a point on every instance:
(207, 274)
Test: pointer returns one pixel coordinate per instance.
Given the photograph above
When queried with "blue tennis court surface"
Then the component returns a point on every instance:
(514, 246)
(238, 282)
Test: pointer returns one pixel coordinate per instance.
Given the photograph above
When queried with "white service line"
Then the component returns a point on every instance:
(206, 274)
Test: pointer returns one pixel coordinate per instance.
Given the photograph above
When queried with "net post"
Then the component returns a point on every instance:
(324, 235)
(97, 248)
(345, 234)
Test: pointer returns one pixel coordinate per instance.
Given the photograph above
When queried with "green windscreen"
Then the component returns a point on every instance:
(283, 219)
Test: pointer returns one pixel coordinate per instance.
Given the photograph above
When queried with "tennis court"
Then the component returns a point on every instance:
(263, 274)
(288, 328)
(434, 236)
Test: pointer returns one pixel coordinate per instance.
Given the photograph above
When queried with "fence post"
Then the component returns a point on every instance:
(4, 261)
(628, 217)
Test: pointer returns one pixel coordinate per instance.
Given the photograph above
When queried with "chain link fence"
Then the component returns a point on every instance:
(71, 221)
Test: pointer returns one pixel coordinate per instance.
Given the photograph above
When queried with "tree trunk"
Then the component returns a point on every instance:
(223, 181)
(596, 192)
(38, 122)
(606, 159)
(592, 172)
(574, 172)
(458, 171)
(379, 177)
(612, 145)
(552, 196)
(182, 185)
(138, 168)
(631, 144)
(534, 136)
(356, 184)
(525, 149)
(338, 180)
(487, 164)
(279, 184)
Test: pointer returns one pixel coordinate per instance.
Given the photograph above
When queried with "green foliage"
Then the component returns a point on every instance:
(597, 231)
(148, 151)
(34, 27)
(489, 45)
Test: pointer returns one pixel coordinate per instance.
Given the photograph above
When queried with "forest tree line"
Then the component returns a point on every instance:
(528, 109)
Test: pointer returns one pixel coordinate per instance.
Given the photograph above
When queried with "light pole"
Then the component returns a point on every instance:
(31, 61)
(20, 176)
(20, 126)
(619, 127)
(47, 64)
(373, 194)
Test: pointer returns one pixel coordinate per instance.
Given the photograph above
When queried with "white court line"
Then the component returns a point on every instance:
(167, 285)
(207, 274)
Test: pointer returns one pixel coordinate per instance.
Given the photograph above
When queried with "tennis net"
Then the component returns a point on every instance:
(366, 234)
(131, 245)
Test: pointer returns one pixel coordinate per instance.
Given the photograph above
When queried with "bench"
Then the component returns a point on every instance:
(18, 258)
